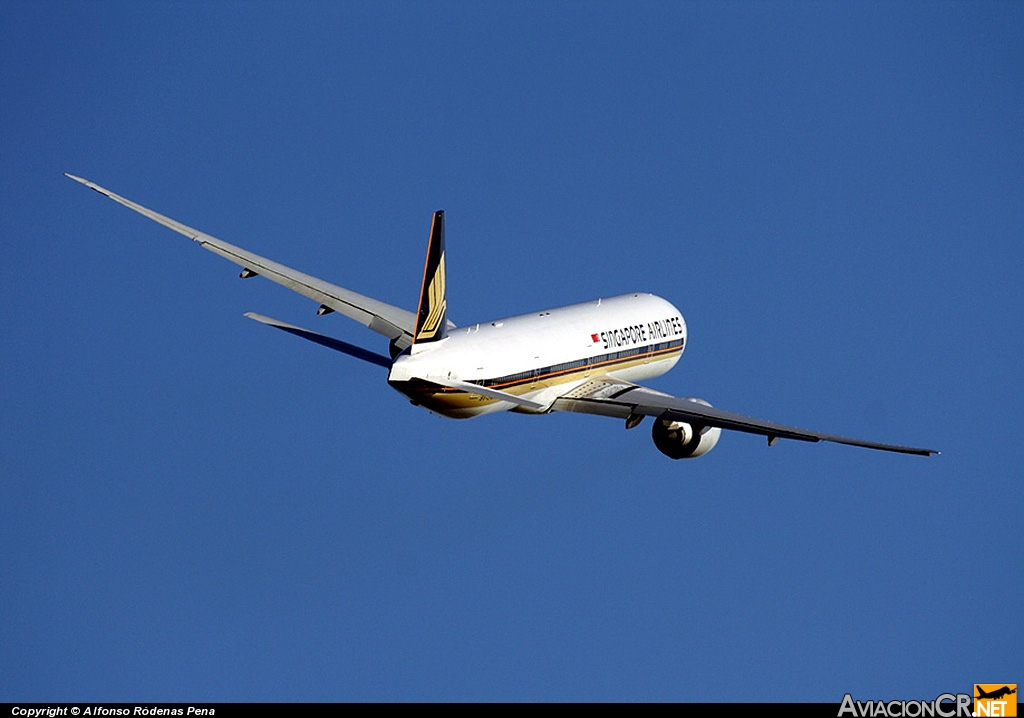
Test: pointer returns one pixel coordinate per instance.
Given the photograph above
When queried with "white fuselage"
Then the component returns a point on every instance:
(540, 356)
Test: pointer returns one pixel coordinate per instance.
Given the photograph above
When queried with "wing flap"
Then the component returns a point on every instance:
(619, 399)
(391, 321)
(382, 318)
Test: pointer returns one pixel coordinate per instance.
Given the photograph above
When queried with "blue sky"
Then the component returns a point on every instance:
(200, 508)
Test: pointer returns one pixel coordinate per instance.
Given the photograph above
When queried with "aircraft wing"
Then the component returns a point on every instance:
(393, 322)
(612, 397)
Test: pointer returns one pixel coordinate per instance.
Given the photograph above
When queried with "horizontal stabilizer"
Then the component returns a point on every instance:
(323, 340)
(489, 393)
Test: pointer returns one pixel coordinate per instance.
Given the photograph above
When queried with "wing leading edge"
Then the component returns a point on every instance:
(393, 322)
(612, 397)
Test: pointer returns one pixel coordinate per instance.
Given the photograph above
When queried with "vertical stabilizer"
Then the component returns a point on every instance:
(432, 316)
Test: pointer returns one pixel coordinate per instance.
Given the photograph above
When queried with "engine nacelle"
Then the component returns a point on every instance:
(680, 440)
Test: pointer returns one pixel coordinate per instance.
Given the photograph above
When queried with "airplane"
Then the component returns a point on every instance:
(582, 358)
(996, 694)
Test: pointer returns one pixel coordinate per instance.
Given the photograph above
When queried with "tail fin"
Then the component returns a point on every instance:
(432, 316)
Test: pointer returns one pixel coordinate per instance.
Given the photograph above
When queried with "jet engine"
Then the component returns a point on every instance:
(680, 440)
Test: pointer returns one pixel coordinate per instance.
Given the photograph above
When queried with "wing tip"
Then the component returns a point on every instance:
(87, 183)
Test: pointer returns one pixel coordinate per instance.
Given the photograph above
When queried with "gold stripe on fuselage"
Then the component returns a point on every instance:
(445, 400)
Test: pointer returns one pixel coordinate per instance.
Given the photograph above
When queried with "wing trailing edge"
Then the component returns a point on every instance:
(623, 400)
(393, 322)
